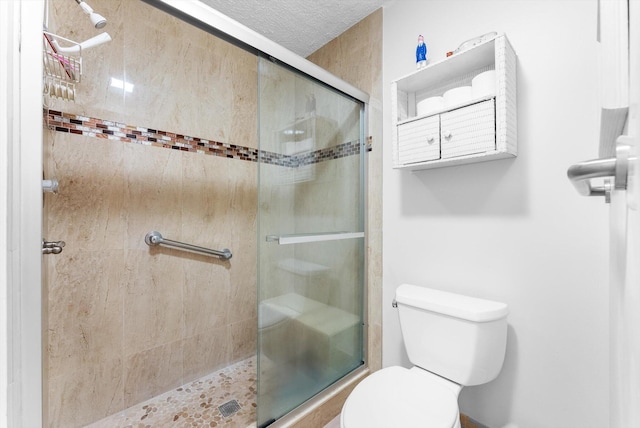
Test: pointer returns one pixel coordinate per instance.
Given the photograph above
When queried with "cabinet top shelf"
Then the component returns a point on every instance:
(481, 55)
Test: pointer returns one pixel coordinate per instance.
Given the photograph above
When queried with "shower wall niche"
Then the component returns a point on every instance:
(177, 154)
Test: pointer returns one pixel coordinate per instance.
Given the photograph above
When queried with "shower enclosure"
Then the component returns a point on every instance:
(212, 142)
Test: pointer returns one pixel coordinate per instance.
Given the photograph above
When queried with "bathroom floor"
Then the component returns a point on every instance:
(201, 403)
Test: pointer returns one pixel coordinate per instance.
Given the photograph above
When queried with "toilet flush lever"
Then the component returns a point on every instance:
(394, 303)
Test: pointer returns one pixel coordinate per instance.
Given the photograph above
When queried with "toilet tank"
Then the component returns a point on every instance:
(458, 337)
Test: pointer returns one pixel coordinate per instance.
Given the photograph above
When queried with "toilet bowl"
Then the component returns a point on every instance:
(452, 340)
(402, 398)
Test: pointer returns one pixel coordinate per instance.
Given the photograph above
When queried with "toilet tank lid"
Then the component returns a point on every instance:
(455, 305)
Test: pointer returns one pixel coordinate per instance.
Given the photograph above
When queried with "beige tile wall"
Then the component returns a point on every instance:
(125, 321)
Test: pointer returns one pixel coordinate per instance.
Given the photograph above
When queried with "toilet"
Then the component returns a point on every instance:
(452, 341)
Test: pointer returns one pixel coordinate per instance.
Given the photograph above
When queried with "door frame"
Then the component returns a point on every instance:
(21, 213)
(627, 411)
(624, 376)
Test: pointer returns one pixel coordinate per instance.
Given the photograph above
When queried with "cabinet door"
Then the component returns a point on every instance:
(419, 140)
(469, 130)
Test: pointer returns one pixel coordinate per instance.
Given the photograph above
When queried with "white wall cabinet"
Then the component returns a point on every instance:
(476, 130)
(419, 140)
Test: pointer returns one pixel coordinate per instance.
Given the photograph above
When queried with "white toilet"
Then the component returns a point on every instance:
(453, 341)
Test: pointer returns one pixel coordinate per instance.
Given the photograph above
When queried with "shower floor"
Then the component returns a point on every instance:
(196, 403)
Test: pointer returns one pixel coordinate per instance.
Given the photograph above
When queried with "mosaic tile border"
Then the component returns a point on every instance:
(117, 131)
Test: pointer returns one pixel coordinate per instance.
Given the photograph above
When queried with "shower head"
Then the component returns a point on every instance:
(97, 20)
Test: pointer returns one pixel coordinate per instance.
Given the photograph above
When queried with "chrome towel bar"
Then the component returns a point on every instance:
(155, 238)
(313, 237)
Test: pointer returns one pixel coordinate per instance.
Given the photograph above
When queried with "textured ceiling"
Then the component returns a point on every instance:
(302, 26)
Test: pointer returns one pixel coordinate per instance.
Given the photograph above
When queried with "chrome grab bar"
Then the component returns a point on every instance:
(616, 167)
(155, 238)
(313, 237)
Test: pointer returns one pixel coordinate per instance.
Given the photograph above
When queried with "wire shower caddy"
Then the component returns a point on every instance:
(60, 72)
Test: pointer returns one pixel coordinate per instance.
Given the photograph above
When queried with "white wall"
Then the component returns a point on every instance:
(511, 230)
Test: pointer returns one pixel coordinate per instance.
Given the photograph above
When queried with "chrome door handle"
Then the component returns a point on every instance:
(616, 167)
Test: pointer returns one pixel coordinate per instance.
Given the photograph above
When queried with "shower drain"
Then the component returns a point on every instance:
(229, 408)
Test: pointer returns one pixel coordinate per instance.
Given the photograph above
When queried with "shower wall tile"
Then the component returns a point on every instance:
(168, 62)
(206, 352)
(243, 295)
(88, 211)
(374, 311)
(127, 321)
(168, 295)
(374, 204)
(205, 193)
(153, 306)
(168, 299)
(243, 338)
(84, 307)
(152, 372)
(92, 391)
(243, 289)
(153, 191)
(219, 211)
(206, 294)
(241, 236)
(213, 202)
(84, 335)
(198, 64)
(84, 314)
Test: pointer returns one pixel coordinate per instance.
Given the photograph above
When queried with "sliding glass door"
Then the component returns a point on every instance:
(310, 239)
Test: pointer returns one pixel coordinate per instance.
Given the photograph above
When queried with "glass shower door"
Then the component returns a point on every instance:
(310, 239)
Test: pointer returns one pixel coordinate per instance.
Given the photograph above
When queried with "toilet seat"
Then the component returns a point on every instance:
(400, 398)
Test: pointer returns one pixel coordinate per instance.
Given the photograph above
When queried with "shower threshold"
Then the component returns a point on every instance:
(204, 402)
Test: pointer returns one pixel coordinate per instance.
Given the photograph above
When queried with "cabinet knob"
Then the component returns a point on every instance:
(431, 139)
(447, 134)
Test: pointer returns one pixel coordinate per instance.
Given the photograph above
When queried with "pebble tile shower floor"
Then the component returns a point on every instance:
(197, 403)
